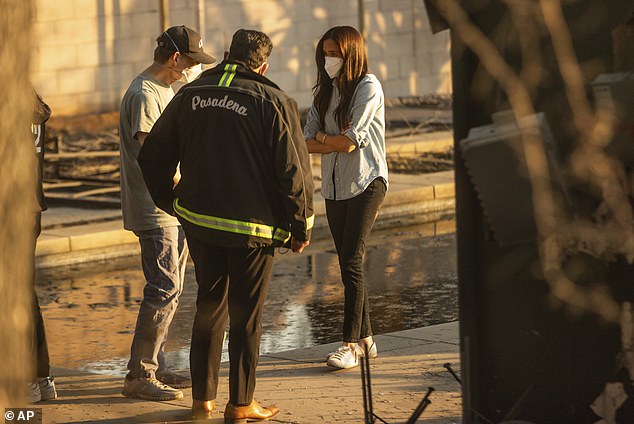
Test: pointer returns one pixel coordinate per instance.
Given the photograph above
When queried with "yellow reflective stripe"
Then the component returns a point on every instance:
(230, 225)
(283, 235)
(224, 76)
(310, 221)
(233, 74)
(227, 77)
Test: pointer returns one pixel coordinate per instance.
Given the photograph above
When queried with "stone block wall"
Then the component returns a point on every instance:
(88, 51)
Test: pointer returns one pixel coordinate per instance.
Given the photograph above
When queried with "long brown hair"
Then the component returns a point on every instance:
(354, 68)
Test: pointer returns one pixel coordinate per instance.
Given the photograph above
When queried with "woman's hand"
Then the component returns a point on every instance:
(324, 143)
(321, 137)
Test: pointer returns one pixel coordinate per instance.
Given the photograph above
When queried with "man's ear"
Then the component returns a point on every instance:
(175, 57)
(263, 68)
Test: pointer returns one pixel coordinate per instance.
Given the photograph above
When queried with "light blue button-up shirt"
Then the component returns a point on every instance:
(346, 175)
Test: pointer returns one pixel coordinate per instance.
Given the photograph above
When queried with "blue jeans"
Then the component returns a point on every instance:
(164, 256)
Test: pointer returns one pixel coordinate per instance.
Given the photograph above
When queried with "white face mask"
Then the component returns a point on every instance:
(333, 65)
(190, 74)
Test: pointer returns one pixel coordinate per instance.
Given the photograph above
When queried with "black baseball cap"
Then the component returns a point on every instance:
(186, 41)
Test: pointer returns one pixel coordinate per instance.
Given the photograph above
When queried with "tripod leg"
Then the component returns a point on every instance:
(366, 360)
(421, 407)
(364, 384)
(453, 373)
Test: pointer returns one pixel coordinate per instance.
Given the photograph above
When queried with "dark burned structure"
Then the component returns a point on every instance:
(545, 296)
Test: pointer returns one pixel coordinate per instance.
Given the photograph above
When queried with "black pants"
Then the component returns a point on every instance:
(39, 346)
(42, 365)
(350, 223)
(232, 283)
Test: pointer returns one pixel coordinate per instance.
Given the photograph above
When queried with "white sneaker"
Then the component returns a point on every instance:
(345, 357)
(33, 394)
(47, 388)
(372, 352)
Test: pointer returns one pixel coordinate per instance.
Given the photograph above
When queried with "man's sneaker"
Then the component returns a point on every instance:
(47, 388)
(33, 394)
(149, 389)
(173, 380)
(345, 357)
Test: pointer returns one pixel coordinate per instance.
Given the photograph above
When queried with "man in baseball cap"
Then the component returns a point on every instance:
(185, 41)
(164, 249)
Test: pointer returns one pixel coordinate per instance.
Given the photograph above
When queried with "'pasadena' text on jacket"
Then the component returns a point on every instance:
(246, 179)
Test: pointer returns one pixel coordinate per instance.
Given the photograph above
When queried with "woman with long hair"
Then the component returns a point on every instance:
(346, 125)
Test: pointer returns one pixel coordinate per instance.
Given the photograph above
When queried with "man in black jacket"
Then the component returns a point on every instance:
(246, 187)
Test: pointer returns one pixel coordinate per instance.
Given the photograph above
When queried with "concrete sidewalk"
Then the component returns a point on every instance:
(298, 382)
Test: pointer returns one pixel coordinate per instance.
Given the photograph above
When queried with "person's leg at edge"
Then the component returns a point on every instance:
(43, 368)
(43, 386)
(42, 363)
(209, 325)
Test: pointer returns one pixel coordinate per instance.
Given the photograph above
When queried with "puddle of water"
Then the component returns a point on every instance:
(90, 312)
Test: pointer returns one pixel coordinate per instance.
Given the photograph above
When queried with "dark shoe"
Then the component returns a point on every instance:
(203, 409)
(238, 414)
(149, 389)
(173, 380)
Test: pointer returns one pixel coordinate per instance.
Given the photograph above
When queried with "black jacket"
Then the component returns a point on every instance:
(246, 179)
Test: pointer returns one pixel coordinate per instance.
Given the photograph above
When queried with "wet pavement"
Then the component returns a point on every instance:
(411, 278)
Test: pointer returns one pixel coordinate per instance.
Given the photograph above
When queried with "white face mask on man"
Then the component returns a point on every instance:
(190, 74)
(332, 65)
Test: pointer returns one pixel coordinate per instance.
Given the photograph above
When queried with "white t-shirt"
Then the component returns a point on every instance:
(141, 106)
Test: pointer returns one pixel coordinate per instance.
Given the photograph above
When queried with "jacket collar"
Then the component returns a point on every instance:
(242, 70)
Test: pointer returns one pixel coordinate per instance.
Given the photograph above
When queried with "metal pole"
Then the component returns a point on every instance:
(164, 11)
(361, 11)
(201, 19)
